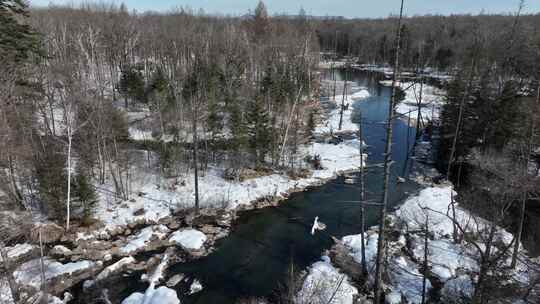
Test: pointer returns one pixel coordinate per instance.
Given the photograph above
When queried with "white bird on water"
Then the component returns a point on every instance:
(317, 225)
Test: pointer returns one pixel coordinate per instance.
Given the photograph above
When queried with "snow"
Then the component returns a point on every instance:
(163, 196)
(432, 101)
(354, 243)
(322, 281)
(29, 273)
(458, 287)
(445, 257)
(406, 279)
(5, 292)
(332, 125)
(195, 287)
(161, 295)
(17, 251)
(190, 239)
(115, 268)
(437, 199)
(139, 241)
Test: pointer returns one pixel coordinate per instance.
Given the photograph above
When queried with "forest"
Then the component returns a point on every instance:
(131, 143)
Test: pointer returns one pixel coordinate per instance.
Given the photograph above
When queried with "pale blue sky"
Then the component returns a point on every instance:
(347, 8)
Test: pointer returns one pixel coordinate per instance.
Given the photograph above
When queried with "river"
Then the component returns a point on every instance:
(254, 259)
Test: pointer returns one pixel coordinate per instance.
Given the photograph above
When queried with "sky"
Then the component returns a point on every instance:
(346, 8)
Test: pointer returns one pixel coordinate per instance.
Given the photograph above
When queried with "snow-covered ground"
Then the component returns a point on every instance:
(161, 196)
(332, 124)
(153, 295)
(453, 264)
(326, 285)
(432, 101)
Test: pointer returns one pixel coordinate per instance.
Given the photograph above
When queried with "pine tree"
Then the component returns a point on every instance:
(85, 196)
(259, 130)
(51, 176)
(237, 126)
(131, 85)
(17, 39)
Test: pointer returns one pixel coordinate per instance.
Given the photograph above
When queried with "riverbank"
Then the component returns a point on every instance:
(158, 219)
(453, 267)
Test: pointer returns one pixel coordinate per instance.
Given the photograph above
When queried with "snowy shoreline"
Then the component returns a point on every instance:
(453, 267)
(148, 221)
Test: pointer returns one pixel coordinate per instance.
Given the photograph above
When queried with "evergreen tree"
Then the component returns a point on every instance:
(259, 130)
(17, 39)
(51, 175)
(85, 196)
(236, 125)
(131, 85)
(311, 123)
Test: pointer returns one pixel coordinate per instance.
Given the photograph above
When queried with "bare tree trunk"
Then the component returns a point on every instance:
(454, 144)
(426, 255)
(387, 164)
(45, 297)
(524, 195)
(68, 200)
(342, 108)
(362, 199)
(9, 274)
(419, 114)
(195, 155)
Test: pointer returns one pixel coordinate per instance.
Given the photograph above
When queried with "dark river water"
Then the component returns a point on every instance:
(253, 260)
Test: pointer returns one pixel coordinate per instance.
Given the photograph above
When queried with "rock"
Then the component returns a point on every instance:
(115, 269)
(137, 222)
(59, 277)
(127, 232)
(50, 233)
(20, 252)
(207, 229)
(60, 251)
(174, 225)
(175, 279)
(139, 212)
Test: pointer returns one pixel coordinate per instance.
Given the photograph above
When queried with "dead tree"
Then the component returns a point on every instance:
(362, 198)
(387, 164)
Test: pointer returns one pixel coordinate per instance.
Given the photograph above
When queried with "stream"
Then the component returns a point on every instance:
(254, 259)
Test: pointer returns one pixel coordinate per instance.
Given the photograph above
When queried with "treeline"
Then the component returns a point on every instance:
(441, 42)
(489, 128)
(208, 89)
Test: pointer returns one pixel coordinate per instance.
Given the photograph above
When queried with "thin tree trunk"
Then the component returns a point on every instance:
(426, 255)
(524, 196)
(342, 108)
(68, 201)
(195, 156)
(387, 164)
(45, 297)
(9, 274)
(419, 114)
(454, 144)
(362, 200)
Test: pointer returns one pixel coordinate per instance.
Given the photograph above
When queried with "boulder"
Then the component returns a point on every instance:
(50, 233)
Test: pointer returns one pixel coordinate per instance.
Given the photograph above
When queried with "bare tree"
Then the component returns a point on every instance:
(387, 164)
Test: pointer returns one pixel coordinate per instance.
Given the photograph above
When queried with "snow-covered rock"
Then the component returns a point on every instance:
(20, 252)
(142, 240)
(189, 239)
(325, 284)
(59, 276)
(195, 287)
(115, 268)
(161, 295)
